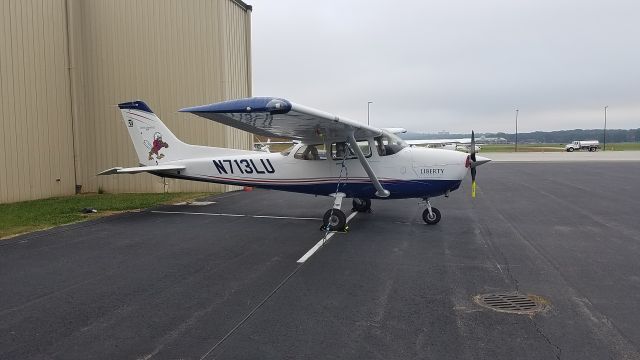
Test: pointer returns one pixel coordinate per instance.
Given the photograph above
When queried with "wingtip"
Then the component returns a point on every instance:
(247, 105)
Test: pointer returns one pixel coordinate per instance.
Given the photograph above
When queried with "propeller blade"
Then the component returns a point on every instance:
(473, 182)
(473, 164)
(473, 146)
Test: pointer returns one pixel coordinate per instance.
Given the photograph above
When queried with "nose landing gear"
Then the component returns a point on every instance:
(431, 215)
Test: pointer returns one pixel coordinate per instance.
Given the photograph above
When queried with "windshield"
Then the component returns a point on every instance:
(389, 144)
(394, 139)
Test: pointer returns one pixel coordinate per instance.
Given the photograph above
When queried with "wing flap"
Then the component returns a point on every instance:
(136, 170)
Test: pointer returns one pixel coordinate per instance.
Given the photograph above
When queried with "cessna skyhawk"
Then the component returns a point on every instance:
(331, 156)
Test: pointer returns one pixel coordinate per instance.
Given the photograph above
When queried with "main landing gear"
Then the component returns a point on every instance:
(334, 219)
(431, 215)
(361, 205)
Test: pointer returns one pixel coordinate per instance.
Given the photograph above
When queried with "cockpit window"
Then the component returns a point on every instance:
(389, 144)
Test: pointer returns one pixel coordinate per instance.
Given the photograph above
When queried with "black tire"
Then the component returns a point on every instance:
(361, 205)
(334, 220)
(570, 149)
(436, 216)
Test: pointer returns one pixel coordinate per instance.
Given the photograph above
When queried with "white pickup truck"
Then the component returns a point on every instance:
(591, 145)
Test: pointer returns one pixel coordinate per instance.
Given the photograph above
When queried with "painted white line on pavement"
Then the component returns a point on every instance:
(235, 215)
(322, 241)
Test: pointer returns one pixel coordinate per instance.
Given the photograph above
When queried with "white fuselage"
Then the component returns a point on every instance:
(409, 173)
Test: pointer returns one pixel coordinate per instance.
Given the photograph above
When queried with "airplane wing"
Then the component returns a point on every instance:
(396, 130)
(275, 117)
(135, 170)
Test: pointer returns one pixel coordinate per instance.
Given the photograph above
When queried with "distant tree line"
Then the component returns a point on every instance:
(549, 137)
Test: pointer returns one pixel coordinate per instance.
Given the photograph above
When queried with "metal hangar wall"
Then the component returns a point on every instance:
(65, 64)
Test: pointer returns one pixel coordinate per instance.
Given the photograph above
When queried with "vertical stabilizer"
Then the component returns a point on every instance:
(154, 142)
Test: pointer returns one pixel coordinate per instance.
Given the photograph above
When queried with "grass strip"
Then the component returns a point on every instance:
(27, 216)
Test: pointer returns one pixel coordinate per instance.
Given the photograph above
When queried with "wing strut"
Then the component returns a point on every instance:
(376, 183)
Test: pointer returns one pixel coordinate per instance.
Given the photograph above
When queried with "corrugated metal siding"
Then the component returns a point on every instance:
(172, 54)
(37, 142)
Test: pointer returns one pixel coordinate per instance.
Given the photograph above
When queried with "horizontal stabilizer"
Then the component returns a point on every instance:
(135, 170)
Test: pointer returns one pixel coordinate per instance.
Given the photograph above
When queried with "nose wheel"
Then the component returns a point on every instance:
(431, 215)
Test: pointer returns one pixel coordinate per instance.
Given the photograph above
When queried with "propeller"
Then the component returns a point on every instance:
(473, 163)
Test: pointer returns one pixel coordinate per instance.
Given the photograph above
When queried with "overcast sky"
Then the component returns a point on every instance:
(454, 65)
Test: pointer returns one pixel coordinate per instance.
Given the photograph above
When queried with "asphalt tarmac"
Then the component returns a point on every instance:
(158, 285)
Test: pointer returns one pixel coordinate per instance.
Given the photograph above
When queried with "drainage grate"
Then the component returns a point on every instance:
(511, 303)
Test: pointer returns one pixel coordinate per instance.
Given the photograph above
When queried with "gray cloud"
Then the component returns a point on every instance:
(454, 65)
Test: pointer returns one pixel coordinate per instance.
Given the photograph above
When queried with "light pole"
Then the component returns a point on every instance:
(517, 129)
(604, 147)
(368, 103)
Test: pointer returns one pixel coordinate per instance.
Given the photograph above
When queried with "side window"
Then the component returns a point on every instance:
(338, 150)
(311, 152)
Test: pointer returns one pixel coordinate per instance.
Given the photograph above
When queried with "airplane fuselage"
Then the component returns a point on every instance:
(409, 173)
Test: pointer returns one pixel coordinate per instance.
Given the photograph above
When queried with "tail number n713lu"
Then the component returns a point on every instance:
(244, 166)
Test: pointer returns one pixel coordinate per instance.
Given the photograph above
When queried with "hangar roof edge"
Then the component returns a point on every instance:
(243, 5)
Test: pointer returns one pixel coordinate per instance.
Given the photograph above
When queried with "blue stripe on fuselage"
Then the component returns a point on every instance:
(399, 189)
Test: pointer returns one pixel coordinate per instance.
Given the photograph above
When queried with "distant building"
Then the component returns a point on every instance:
(65, 64)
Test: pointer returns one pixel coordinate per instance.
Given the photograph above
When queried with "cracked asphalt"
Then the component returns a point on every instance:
(166, 286)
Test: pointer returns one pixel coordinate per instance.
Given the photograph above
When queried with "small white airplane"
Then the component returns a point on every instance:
(334, 156)
(266, 146)
(447, 144)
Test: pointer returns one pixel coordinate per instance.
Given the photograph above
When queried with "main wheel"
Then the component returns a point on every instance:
(361, 205)
(570, 149)
(431, 219)
(334, 219)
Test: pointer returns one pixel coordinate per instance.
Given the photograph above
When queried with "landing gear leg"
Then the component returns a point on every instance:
(361, 205)
(334, 219)
(431, 215)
